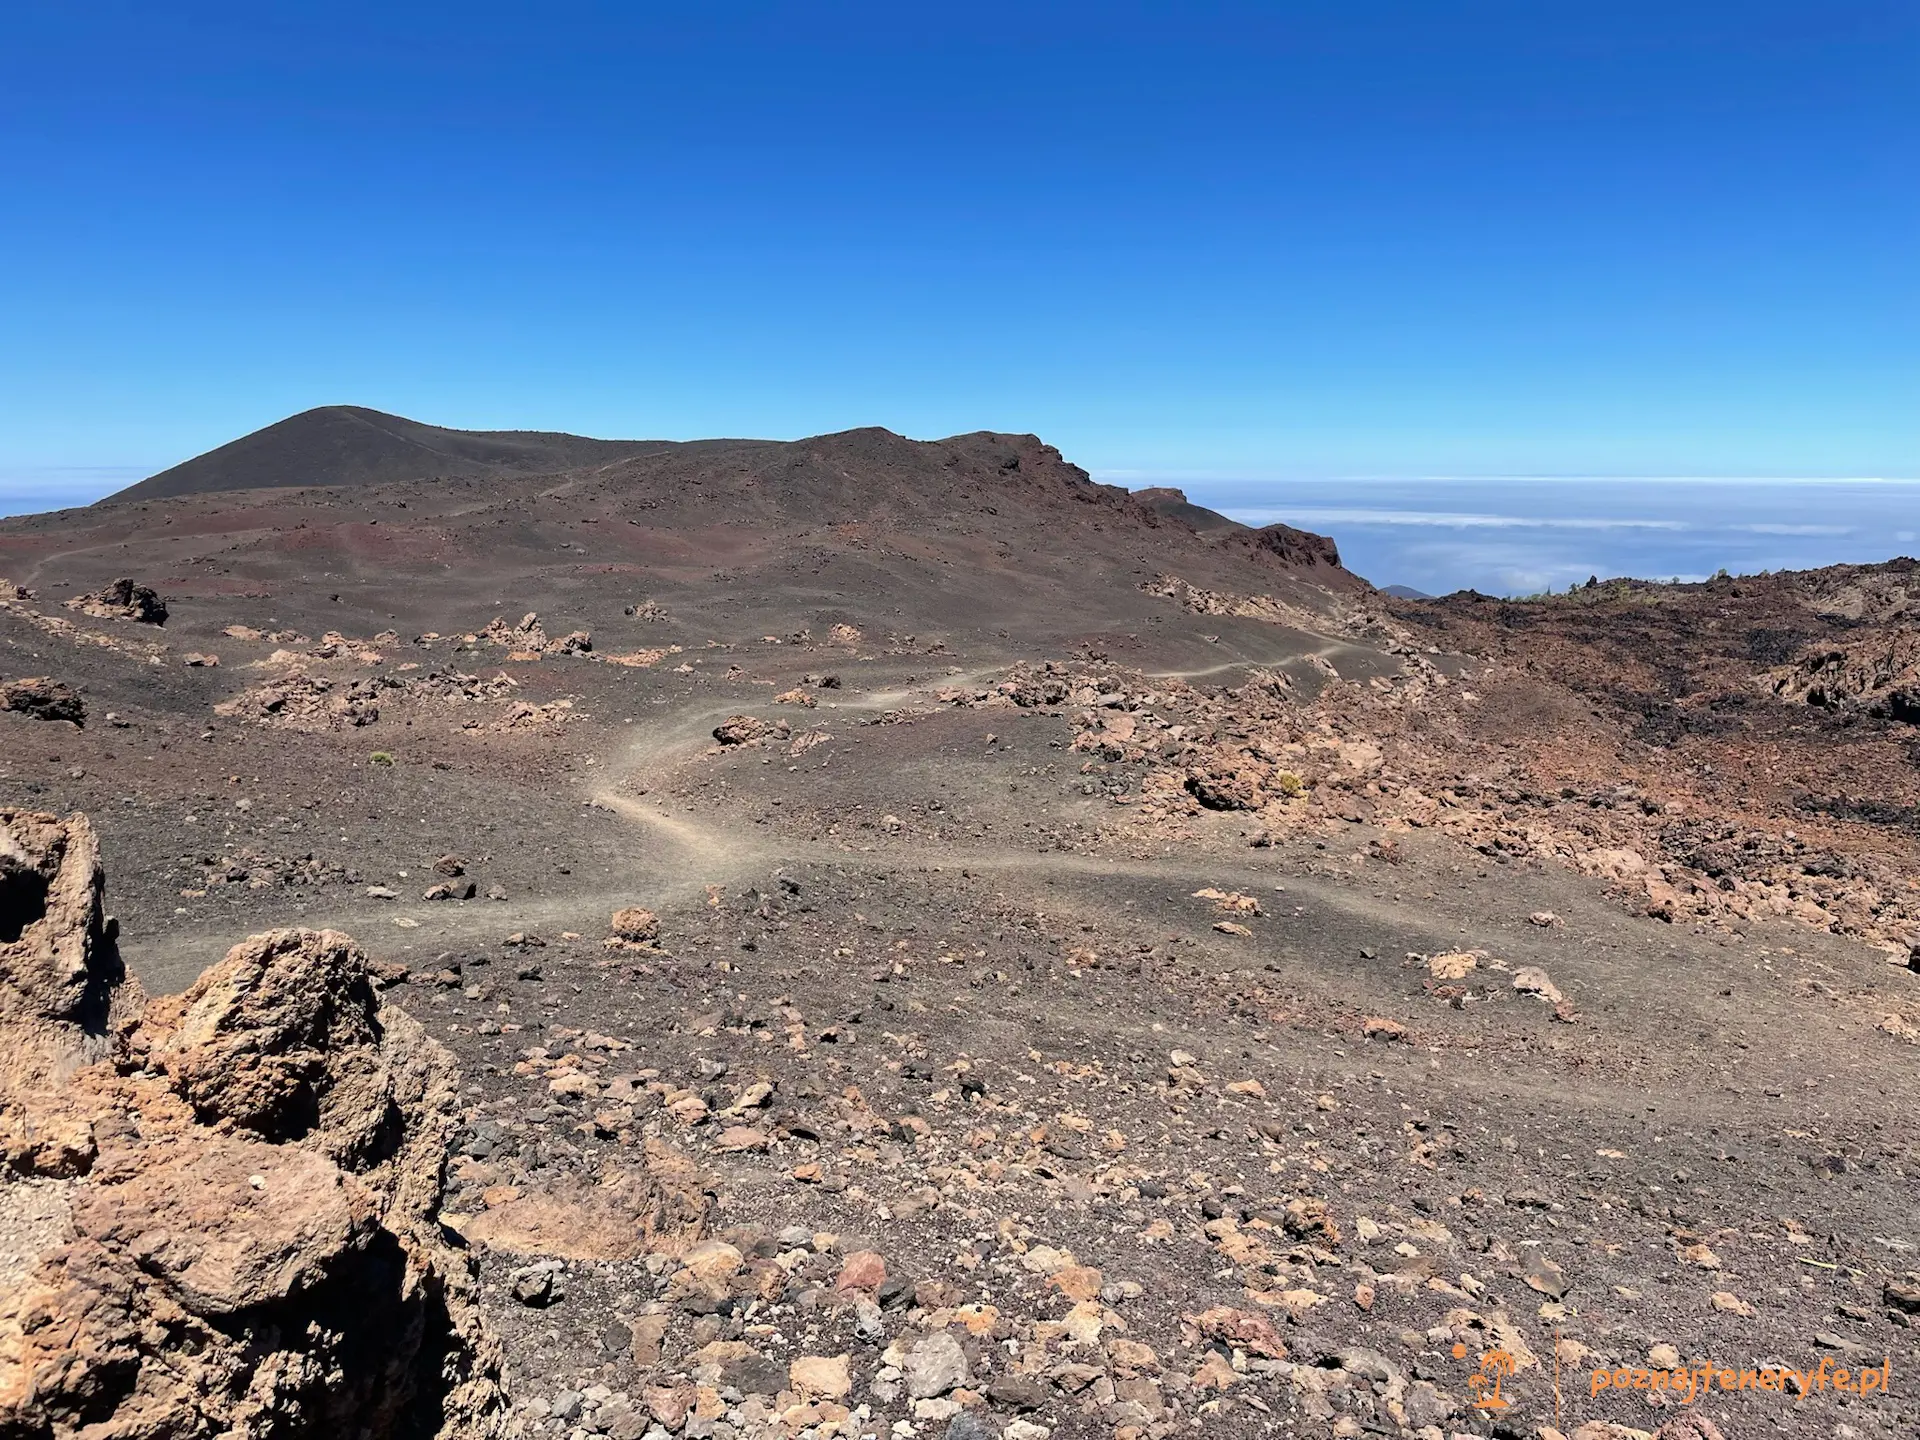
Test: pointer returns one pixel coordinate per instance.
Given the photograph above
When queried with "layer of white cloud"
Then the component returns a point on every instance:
(1309, 516)
(1508, 536)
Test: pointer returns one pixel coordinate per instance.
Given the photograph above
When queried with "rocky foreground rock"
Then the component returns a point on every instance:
(219, 1211)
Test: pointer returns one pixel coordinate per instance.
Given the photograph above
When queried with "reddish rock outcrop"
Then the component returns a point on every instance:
(219, 1211)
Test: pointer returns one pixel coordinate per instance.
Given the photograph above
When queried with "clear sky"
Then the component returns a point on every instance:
(1254, 242)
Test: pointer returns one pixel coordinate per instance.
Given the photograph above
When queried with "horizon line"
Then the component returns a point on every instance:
(1246, 478)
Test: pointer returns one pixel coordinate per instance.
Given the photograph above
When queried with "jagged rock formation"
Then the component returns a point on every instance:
(1301, 549)
(121, 599)
(219, 1211)
(529, 638)
(1877, 675)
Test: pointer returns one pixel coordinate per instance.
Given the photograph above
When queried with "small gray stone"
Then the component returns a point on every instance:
(867, 1322)
(1018, 1392)
(754, 1375)
(1359, 1360)
(1428, 1405)
(483, 1138)
(935, 1365)
(535, 1285)
(618, 1421)
(1543, 1275)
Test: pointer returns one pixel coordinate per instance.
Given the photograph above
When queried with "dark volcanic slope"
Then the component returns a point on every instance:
(991, 535)
(983, 503)
(350, 445)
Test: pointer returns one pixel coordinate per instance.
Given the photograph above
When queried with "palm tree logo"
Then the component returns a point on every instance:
(1484, 1385)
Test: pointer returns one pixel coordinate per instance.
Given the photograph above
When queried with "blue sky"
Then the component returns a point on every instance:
(1277, 242)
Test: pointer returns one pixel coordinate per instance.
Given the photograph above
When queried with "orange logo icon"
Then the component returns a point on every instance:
(1484, 1385)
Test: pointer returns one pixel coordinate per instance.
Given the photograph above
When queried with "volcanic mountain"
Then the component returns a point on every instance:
(346, 517)
(351, 445)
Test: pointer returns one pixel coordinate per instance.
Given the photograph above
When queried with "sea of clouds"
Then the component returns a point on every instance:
(1518, 536)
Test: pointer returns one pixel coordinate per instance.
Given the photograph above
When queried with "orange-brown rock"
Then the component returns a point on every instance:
(221, 1208)
(662, 1208)
(636, 926)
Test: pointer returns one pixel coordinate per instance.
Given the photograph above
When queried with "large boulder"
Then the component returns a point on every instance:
(635, 925)
(43, 699)
(122, 599)
(219, 1212)
(749, 730)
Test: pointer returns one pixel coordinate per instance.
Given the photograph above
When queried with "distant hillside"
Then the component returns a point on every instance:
(1405, 592)
(350, 445)
(983, 533)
